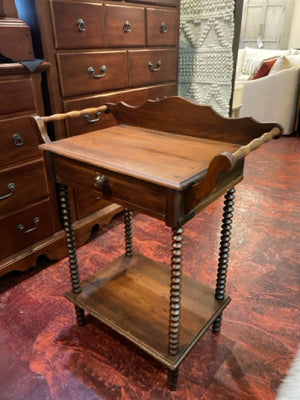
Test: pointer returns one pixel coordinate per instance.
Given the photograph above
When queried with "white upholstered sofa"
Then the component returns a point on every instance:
(273, 97)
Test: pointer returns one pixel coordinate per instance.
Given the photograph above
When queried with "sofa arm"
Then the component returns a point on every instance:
(272, 98)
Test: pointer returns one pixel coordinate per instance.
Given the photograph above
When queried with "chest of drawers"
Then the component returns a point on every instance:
(97, 49)
(106, 51)
(27, 223)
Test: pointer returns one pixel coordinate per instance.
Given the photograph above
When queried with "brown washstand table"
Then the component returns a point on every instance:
(168, 159)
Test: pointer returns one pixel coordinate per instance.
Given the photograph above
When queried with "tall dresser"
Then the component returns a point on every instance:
(27, 211)
(106, 51)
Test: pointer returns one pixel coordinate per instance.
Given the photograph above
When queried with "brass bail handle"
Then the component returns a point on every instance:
(92, 71)
(153, 68)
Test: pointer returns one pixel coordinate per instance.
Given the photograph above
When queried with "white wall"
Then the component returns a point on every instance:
(294, 39)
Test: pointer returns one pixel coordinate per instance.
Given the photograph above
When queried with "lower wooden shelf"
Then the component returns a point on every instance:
(131, 296)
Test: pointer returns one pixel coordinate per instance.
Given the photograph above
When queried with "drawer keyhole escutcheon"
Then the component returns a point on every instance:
(81, 25)
(103, 70)
(163, 28)
(127, 27)
(21, 227)
(92, 121)
(11, 187)
(153, 68)
(99, 181)
(17, 139)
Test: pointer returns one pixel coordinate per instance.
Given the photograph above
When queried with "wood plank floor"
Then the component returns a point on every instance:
(45, 356)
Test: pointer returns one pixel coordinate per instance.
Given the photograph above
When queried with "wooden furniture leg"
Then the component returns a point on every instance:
(63, 195)
(175, 301)
(224, 253)
(128, 232)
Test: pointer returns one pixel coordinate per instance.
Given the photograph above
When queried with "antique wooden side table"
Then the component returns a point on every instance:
(168, 159)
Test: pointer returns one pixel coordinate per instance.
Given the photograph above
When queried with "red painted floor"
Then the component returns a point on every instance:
(45, 356)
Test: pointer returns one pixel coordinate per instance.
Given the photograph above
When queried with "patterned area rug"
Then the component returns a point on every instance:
(206, 60)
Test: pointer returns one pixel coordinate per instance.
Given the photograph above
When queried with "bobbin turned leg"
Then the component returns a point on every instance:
(70, 239)
(175, 302)
(128, 232)
(224, 253)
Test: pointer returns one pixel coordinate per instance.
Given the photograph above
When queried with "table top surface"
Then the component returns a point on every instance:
(162, 158)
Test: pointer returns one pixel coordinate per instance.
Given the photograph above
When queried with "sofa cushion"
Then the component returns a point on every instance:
(262, 54)
(265, 68)
(285, 62)
(251, 66)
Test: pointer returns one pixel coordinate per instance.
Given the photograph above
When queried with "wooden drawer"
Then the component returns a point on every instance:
(161, 27)
(173, 3)
(115, 189)
(15, 39)
(92, 72)
(18, 140)
(88, 201)
(22, 185)
(150, 66)
(134, 97)
(125, 26)
(78, 25)
(16, 96)
(24, 228)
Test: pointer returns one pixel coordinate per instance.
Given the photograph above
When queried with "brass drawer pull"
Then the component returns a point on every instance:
(92, 121)
(17, 139)
(103, 69)
(163, 28)
(21, 227)
(127, 27)
(81, 25)
(99, 181)
(155, 69)
(10, 187)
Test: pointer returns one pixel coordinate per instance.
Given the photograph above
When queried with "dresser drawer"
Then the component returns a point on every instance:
(18, 140)
(125, 26)
(150, 66)
(161, 27)
(173, 3)
(88, 202)
(16, 96)
(22, 185)
(24, 228)
(133, 97)
(78, 25)
(92, 72)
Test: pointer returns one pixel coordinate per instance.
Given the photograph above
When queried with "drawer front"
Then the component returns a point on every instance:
(21, 186)
(24, 228)
(15, 39)
(88, 201)
(124, 191)
(92, 72)
(18, 140)
(161, 27)
(133, 97)
(150, 66)
(125, 26)
(173, 3)
(16, 96)
(78, 25)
